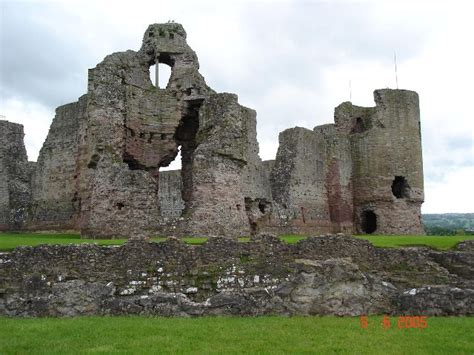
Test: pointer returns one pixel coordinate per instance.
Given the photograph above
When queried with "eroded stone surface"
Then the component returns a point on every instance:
(15, 177)
(329, 274)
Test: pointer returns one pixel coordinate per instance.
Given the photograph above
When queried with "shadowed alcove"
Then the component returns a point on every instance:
(368, 222)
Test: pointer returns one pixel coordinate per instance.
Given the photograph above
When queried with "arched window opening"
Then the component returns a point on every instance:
(163, 75)
(400, 187)
(368, 222)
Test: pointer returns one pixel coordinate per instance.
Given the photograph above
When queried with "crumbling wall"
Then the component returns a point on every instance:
(134, 128)
(298, 182)
(123, 147)
(54, 201)
(217, 206)
(333, 275)
(15, 177)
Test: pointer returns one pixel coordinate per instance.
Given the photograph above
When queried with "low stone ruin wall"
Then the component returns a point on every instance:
(336, 275)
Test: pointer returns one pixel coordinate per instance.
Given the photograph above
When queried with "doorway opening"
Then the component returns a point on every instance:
(185, 136)
(368, 221)
(176, 186)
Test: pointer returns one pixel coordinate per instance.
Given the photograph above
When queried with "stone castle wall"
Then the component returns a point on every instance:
(99, 169)
(333, 275)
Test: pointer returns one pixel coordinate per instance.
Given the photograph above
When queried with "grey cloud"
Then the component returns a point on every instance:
(41, 61)
(286, 43)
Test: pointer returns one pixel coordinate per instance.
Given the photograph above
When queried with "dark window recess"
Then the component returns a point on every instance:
(130, 132)
(120, 205)
(369, 222)
(253, 227)
(262, 207)
(163, 136)
(93, 162)
(150, 137)
(358, 126)
(132, 163)
(400, 187)
(248, 204)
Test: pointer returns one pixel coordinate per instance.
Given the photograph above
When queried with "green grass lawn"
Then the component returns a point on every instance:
(269, 335)
(10, 241)
(433, 241)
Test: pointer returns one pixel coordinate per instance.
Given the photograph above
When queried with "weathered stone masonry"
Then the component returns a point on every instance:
(320, 275)
(15, 177)
(99, 169)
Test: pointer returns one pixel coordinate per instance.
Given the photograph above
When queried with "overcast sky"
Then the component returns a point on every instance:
(291, 61)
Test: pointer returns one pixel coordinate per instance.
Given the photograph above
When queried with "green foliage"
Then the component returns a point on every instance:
(262, 335)
(292, 238)
(449, 224)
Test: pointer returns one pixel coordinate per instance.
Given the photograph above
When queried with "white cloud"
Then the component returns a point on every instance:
(453, 194)
(35, 119)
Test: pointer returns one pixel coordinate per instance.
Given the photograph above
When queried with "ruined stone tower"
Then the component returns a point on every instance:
(387, 168)
(99, 168)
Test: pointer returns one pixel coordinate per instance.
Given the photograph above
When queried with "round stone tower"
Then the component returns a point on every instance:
(387, 168)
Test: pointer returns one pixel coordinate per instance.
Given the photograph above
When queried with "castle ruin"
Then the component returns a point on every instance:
(99, 169)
